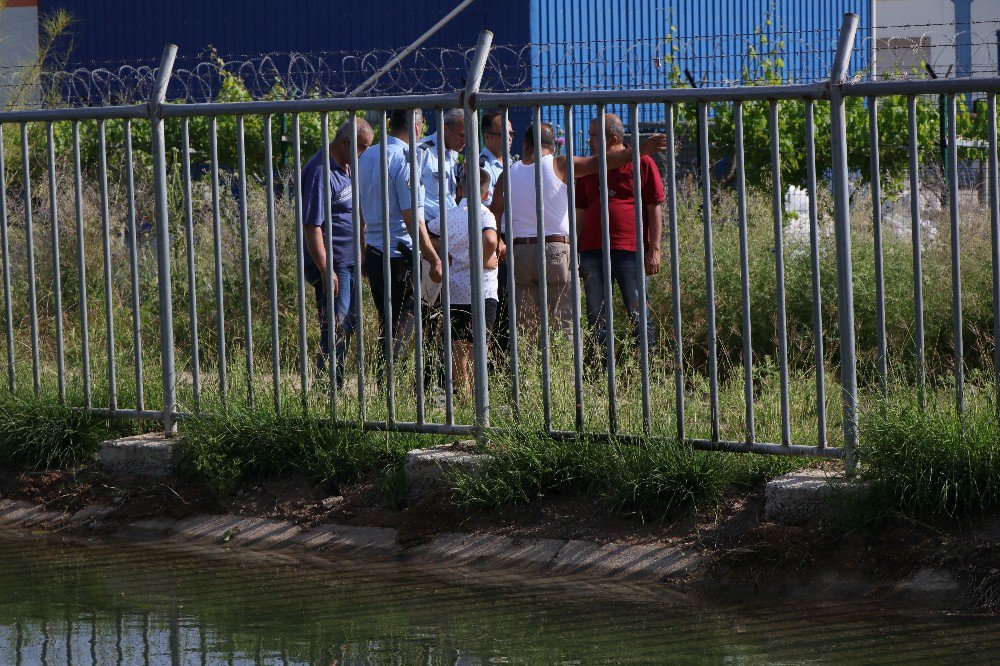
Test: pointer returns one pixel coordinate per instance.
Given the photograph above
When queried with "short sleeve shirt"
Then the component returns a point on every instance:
(493, 165)
(314, 198)
(459, 259)
(370, 195)
(621, 204)
(427, 161)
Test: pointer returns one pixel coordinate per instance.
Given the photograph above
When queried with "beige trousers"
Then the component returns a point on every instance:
(558, 279)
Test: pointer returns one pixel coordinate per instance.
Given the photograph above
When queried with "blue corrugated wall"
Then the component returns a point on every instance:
(608, 44)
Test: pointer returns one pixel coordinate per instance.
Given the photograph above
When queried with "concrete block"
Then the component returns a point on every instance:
(428, 470)
(151, 455)
(809, 494)
(236, 530)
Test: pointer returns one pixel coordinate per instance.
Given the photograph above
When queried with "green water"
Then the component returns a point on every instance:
(72, 602)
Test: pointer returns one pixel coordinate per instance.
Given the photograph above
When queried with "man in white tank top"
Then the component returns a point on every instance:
(525, 246)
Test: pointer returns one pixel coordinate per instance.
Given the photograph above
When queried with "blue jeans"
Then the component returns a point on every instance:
(343, 308)
(623, 272)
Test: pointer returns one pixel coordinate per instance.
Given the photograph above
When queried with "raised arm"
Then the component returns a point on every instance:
(585, 166)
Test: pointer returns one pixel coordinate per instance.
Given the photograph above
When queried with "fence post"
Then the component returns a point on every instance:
(475, 229)
(156, 99)
(842, 231)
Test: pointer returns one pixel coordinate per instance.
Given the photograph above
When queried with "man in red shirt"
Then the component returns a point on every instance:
(621, 223)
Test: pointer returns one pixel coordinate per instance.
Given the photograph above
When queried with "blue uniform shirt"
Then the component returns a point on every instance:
(314, 206)
(493, 165)
(427, 160)
(370, 194)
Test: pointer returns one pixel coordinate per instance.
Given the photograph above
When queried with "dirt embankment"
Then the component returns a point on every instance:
(943, 563)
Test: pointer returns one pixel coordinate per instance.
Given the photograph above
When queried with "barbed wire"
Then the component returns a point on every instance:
(652, 63)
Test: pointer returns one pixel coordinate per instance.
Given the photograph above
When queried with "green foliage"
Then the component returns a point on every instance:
(651, 479)
(38, 433)
(224, 450)
(932, 462)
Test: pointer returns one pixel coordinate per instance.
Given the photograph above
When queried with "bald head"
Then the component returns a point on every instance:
(614, 133)
(340, 147)
(364, 131)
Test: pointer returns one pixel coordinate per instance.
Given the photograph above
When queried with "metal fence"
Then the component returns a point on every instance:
(177, 193)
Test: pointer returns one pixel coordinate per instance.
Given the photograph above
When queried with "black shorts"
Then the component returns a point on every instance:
(461, 320)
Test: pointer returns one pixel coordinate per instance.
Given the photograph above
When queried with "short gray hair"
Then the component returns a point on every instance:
(453, 117)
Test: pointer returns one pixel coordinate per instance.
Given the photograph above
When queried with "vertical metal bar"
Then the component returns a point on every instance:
(449, 403)
(741, 202)
(481, 377)
(220, 310)
(918, 274)
(543, 299)
(300, 269)
(640, 263)
(241, 159)
(80, 256)
(995, 236)
(387, 322)
(418, 324)
(109, 310)
(956, 261)
(574, 266)
(706, 215)
(675, 275)
(779, 273)
(166, 310)
(192, 283)
(842, 228)
(876, 186)
(817, 292)
(331, 299)
(5, 249)
(272, 265)
(609, 310)
(515, 364)
(133, 260)
(30, 240)
(56, 268)
(358, 259)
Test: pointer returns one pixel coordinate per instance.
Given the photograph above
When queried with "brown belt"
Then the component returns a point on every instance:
(531, 240)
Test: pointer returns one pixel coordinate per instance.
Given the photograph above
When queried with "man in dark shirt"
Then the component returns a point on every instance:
(621, 223)
(314, 198)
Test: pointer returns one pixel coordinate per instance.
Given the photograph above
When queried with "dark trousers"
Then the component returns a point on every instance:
(401, 294)
(344, 320)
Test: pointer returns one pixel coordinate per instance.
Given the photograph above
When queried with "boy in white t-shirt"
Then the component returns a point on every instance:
(460, 277)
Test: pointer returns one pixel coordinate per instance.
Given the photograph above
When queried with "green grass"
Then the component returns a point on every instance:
(223, 451)
(932, 462)
(653, 479)
(38, 433)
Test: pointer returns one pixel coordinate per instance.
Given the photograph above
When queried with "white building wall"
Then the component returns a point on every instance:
(932, 22)
(18, 44)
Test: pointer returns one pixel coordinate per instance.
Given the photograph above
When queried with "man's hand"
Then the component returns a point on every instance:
(654, 143)
(501, 252)
(652, 262)
(435, 271)
(336, 283)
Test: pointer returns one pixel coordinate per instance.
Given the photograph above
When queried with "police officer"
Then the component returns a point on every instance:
(491, 161)
(403, 215)
(453, 136)
(494, 136)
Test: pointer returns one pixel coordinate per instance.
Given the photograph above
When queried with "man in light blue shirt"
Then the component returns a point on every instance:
(403, 214)
(453, 136)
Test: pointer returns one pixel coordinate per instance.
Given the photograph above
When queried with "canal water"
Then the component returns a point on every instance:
(68, 601)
